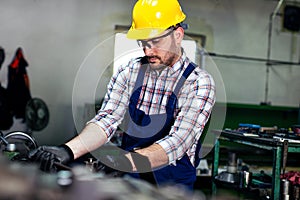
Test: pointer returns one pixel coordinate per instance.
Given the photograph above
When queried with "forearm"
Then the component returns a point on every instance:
(90, 138)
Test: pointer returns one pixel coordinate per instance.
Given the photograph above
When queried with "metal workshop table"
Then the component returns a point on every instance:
(280, 148)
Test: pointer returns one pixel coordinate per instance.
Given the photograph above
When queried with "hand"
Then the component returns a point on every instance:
(47, 156)
(114, 165)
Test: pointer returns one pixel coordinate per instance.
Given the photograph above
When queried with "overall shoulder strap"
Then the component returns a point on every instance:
(173, 98)
(184, 76)
(141, 74)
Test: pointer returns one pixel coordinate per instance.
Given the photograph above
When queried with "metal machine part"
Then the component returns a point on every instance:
(245, 179)
(238, 177)
(285, 154)
(285, 189)
(232, 163)
(23, 180)
(17, 145)
(36, 114)
(227, 177)
(26, 182)
(230, 176)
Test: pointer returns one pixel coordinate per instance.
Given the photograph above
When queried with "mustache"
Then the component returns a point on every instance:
(157, 57)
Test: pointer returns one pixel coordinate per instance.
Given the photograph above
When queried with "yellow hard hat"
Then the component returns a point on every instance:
(152, 17)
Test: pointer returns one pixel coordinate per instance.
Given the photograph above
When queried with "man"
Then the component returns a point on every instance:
(162, 102)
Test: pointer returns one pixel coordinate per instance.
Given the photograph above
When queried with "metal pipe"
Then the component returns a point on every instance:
(271, 62)
(277, 8)
(268, 64)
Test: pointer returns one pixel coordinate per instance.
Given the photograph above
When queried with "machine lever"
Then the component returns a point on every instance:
(285, 153)
(62, 166)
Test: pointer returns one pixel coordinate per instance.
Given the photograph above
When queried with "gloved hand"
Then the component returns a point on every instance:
(114, 165)
(118, 165)
(47, 156)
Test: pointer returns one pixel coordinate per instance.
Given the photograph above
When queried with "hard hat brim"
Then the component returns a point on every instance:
(145, 33)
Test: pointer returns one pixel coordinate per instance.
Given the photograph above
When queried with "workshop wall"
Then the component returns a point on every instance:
(241, 28)
(57, 36)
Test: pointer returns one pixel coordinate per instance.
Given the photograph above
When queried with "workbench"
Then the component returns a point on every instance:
(279, 146)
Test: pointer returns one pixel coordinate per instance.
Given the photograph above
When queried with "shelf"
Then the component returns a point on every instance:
(278, 147)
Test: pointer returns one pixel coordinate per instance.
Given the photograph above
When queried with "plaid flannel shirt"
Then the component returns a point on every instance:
(195, 101)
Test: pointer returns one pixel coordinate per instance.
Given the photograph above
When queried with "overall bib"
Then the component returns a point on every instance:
(142, 130)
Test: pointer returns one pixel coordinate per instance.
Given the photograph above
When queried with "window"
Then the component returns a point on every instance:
(125, 49)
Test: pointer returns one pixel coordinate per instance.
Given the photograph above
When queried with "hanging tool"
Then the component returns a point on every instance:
(284, 156)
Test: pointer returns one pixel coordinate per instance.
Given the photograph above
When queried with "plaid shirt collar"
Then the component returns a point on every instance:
(179, 64)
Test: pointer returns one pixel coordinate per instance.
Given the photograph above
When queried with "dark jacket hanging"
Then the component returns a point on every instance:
(2, 56)
(18, 85)
(6, 118)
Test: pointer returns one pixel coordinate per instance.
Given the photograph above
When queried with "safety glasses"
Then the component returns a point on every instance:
(155, 42)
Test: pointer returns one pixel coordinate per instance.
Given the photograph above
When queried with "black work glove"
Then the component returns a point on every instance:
(114, 165)
(48, 156)
(118, 165)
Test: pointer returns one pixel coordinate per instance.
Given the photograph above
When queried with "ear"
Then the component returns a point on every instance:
(178, 35)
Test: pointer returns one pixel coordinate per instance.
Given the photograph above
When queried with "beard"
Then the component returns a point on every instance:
(170, 56)
(157, 63)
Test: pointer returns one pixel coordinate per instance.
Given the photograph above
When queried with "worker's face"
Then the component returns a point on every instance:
(164, 50)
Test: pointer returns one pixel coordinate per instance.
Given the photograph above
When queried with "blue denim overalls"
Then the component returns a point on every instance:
(142, 130)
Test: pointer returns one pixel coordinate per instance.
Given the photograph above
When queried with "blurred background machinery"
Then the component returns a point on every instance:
(21, 179)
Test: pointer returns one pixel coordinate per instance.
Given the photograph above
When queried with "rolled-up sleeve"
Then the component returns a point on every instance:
(195, 103)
